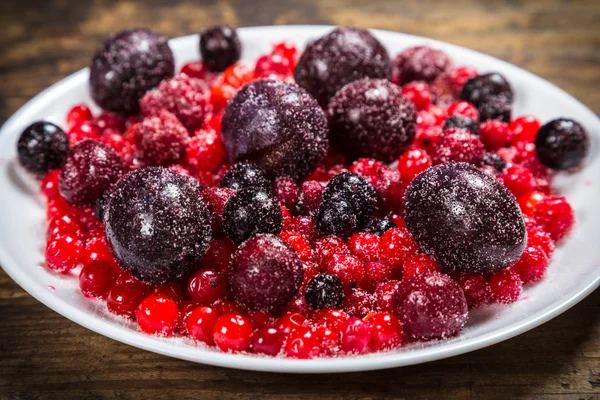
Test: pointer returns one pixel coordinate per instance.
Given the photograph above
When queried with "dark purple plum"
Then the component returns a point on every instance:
(126, 66)
(465, 219)
(562, 144)
(372, 118)
(276, 125)
(157, 226)
(244, 175)
(460, 121)
(91, 168)
(324, 291)
(220, 47)
(338, 58)
(491, 94)
(250, 211)
(421, 63)
(265, 274)
(355, 190)
(42, 147)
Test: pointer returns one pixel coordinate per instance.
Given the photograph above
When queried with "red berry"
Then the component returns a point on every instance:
(517, 179)
(311, 270)
(359, 302)
(220, 94)
(327, 247)
(78, 114)
(555, 216)
(232, 332)
(107, 120)
(463, 108)
(84, 130)
(476, 289)
(384, 294)
(458, 76)
(348, 269)
(215, 199)
(238, 75)
(290, 322)
(96, 279)
(431, 117)
(298, 305)
(299, 243)
(157, 315)
(219, 254)
(286, 191)
(96, 248)
(419, 93)
(287, 50)
(124, 298)
(427, 138)
(395, 246)
(368, 168)
(225, 307)
(495, 134)
(505, 286)
(529, 201)
(204, 151)
(310, 197)
(49, 185)
(375, 272)
(532, 265)
(63, 253)
(302, 344)
(386, 331)
(365, 246)
(355, 335)
(272, 64)
(332, 319)
(458, 145)
(170, 290)
(114, 140)
(267, 341)
(398, 220)
(200, 324)
(59, 207)
(418, 264)
(524, 129)
(63, 225)
(259, 319)
(195, 69)
(160, 139)
(536, 237)
(304, 225)
(412, 163)
(207, 286)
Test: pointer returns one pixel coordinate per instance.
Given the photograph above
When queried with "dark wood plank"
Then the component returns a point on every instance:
(43, 355)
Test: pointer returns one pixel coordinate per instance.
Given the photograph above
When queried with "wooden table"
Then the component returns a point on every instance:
(43, 355)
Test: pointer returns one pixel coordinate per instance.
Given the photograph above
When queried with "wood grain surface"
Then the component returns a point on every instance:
(43, 355)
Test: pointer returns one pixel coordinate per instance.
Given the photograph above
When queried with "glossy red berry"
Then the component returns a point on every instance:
(458, 145)
(96, 279)
(505, 286)
(304, 225)
(267, 341)
(172, 291)
(215, 199)
(63, 253)
(532, 265)
(207, 286)
(419, 93)
(365, 246)
(49, 185)
(459, 76)
(109, 121)
(555, 215)
(290, 322)
(327, 247)
(157, 315)
(359, 302)
(417, 264)
(495, 134)
(368, 168)
(463, 108)
(528, 202)
(78, 114)
(272, 65)
(232, 332)
(299, 243)
(287, 50)
(386, 331)
(375, 272)
(125, 297)
(332, 319)
(96, 248)
(412, 163)
(536, 237)
(384, 294)
(82, 131)
(395, 246)
(200, 324)
(301, 343)
(517, 179)
(64, 225)
(204, 150)
(524, 129)
(195, 69)
(259, 319)
(355, 335)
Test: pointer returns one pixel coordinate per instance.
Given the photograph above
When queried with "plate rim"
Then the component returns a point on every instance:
(283, 365)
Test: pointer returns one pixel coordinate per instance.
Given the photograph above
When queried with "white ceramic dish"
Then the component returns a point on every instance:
(574, 273)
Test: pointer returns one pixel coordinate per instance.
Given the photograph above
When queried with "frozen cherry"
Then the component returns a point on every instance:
(465, 219)
(42, 147)
(421, 63)
(265, 274)
(90, 169)
(324, 291)
(220, 47)
(207, 286)
(244, 175)
(562, 144)
(340, 57)
(372, 118)
(276, 125)
(460, 121)
(355, 190)
(157, 226)
(251, 211)
(430, 305)
(126, 66)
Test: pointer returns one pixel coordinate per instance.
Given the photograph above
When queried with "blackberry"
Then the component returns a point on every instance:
(324, 291)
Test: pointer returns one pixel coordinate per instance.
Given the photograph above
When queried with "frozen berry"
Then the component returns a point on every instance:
(418, 264)
(90, 169)
(219, 254)
(42, 147)
(338, 58)
(265, 273)
(421, 63)
(125, 297)
(359, 302)
(495, 108)
(355, 190)
(384, 293)
(232, 332)
(157, 226)
(536, 237)
(524, 129)
(355, 335)
(419, 93)
(200, 324)
(245, 175)
(379, 226)
(349, 269)
(215, 199)
(126, 66)
(495, 135)
(160, 139)
(375, 273)
(272, 65)
(220, 47)
(458, 145)
(371, 118)
(207, 286)
(309, 198)
(519, 180)
(157, 315)
(491, 94)
(251, 211)
(276, 125)
(186, 98)
(78, 114)
(395, 246)
(96, 279)
(324, 291)
(302, 343)
(267, 341)
(365, 246)
(412, 163)
(505, 286)
(286, 191)
(430, 305)
(532, 265)
(336, 217)
(495, 161)
(562, 144)
(196, 69)
(476, 289)
(555, 215)
(299, 243)
(327, 247)
(464, 218)
(303, 225)
(332, 319)
(64, 253)
(386, 331)
(460, 121)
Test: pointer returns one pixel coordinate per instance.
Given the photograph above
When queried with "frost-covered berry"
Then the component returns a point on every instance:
(220, 47)
(324, 291)
(562, 144)
(160, 139)
(42, 147)
(421, 63)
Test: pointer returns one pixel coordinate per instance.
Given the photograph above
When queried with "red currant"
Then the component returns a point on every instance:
(290, 322)
(204, 151)
(517, 179)
(365, 246)
(386, 331)
(395, 245)
(476, 289)
(359, 302)
(384, 294)
(375, 272)
(532, 265)
(96, 279)
(157, 315)
(200, 324)
(302, 344)
(348, 269)
(463, 108)
(419, 93)
(78, 114)
(529, 201)
(355, 335)
(505, 286)
(299, 243)
(124, 298)
(232, 332)
(63, 253)
(195, 69)
(267, 341)
(49, 185)
(412, 163)
(495, 134)
(555, 216)
(417, 264)
(524, 129)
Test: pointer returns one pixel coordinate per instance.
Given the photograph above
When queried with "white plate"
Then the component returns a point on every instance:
(574, 273)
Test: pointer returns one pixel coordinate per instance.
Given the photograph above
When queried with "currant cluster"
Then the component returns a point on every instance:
(338, 201)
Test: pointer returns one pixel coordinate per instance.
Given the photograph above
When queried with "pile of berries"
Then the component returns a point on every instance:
(341, 214)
